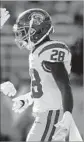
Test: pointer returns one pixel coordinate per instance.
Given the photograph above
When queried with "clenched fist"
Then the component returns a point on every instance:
(7, 88)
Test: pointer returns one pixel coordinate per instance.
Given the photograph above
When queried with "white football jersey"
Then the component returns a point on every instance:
(46, 93)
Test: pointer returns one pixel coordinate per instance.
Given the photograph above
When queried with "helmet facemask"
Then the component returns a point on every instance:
(23, 36)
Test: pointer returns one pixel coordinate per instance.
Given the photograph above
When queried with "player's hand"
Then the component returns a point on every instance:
(4, 16)
(8, 89)
(22, 102)
(63, 127)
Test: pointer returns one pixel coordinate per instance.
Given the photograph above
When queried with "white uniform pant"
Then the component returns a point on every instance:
(43, 128)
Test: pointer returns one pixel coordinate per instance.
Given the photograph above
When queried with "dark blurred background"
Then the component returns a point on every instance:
(67, 18)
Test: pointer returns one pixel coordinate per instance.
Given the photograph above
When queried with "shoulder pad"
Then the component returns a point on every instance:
(53, 44)
(55, 51)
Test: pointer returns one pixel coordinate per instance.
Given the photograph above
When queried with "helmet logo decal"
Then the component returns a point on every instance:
(37, 18)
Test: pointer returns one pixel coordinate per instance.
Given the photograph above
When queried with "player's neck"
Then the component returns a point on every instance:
(42, 42)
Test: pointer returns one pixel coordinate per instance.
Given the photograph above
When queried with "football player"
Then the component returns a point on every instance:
(50, 64)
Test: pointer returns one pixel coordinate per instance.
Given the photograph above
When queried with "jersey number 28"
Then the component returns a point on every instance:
(57, 55)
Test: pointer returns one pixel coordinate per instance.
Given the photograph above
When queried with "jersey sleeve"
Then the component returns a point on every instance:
(57, 52)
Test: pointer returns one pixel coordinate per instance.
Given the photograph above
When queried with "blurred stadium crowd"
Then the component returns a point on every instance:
(67, 18)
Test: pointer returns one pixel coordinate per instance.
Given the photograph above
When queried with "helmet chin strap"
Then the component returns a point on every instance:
(30, 44)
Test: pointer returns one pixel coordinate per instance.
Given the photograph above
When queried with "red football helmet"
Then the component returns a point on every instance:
(31, 27)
